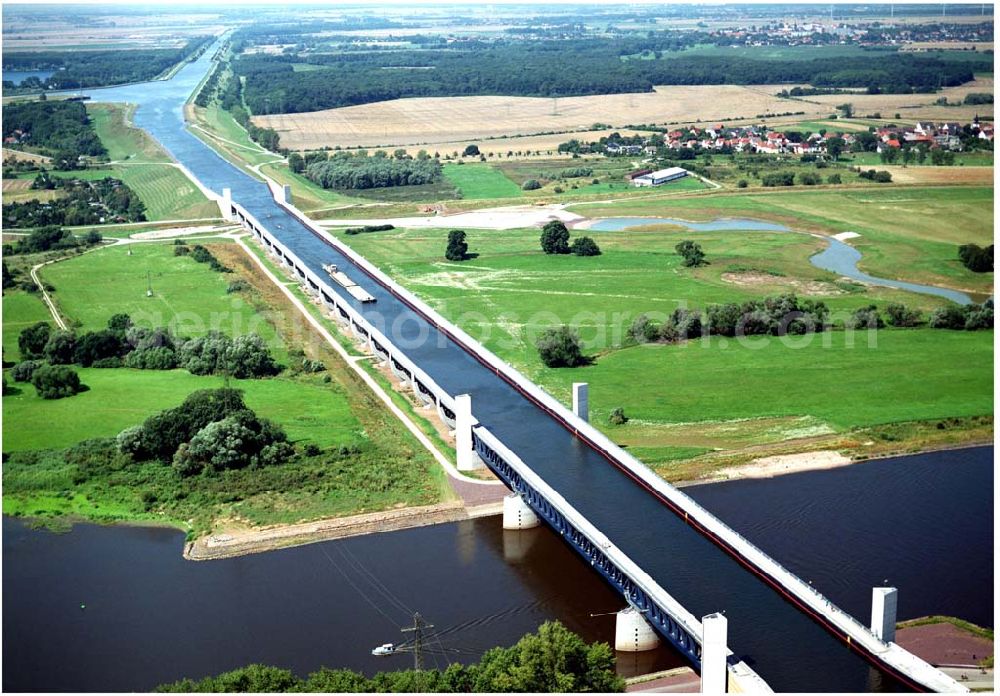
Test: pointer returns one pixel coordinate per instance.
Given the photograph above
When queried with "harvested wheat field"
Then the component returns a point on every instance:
(444, 122)
(439, 120)
(528, 145)
(11, 155)
(982, 176)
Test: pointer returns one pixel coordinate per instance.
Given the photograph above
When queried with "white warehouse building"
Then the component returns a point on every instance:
(661, 176)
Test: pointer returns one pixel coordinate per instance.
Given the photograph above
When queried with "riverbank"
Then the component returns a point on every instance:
(242, 541)
(831, 451)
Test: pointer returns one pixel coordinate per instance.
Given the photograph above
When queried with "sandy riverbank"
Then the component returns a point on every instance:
(240, 542)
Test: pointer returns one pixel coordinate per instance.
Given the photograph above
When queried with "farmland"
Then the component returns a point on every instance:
(438, 122)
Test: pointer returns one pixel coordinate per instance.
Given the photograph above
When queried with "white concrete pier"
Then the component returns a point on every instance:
(517, 514)
(884, 613)
(467, 458)
(633, 633)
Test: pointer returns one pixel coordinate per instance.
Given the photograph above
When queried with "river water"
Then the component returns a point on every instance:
(788, 649)
(924, 523)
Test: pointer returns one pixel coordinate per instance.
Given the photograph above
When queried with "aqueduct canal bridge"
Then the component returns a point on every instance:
(670, 558)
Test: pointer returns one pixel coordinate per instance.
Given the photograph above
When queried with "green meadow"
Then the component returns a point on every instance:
(480, 181)
(188, 296)
(907, 233)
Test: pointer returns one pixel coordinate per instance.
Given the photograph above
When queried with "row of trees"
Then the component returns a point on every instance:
(50, 238)
(345, 171)
(122, 344)
(555, 240)
(552, 660)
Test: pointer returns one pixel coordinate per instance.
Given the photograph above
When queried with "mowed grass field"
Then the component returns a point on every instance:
(188, 297)
(20, 310)
(907, 233)
(480, 181)
(120, 398)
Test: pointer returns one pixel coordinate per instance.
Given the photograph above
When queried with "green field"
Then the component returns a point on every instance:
(480, 181)
(20, 310)
(119, 398)
(907, 233)
(188, 296)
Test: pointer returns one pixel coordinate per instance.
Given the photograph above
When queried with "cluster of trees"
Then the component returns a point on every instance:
(971, 317)
(346, 171)
(80, 69)
(553, 68)
(778, 179)
(879, 177)
(50, 238)
(552, 660)
(213, 430)
(774, 316)
(83, 202)
(976, 258)
(978, 98)
(369, 228)
(692, 253)
(555, 240)
(60, 129)
(50, 381)
(124, 344)
(201, 255)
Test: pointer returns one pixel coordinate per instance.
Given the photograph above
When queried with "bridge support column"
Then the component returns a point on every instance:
(884, 613)
(633, 633)
(581, 400)
(517, 514)
(467, 458)
(286, 194)
(226, 204)
(714, 672)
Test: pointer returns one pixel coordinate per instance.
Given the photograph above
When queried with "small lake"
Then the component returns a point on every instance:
(18, 76)
(838, 257)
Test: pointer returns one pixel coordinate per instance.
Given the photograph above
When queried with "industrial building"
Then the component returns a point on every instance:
(661, 176)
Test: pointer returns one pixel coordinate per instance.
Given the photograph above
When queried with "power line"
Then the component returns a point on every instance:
(356, 588)
(418, 638)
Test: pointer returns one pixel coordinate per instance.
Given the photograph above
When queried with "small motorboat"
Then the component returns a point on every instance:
(384, 649)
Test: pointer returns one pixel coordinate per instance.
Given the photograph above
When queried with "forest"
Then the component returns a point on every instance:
(359, 172)
(51, 127)
(567, 68)
(82, 69)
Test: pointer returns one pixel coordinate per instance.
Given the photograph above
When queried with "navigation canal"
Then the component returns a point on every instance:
(153, 617)
(788, 649)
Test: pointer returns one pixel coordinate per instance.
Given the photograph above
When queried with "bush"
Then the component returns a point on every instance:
(55, 381)
(585, 246)
(98, 345)
(557, 189)
(618, 417)
(643, 330)
(865, 318)
(369, 228)
(968, 318)
(810, 179)
(779, 179)
(23, 371)
(555, 238)
(742, 183)
(216, 353)
(235, 442)
(156, 358)
(458, 248)
(574, 172)
(560, 347)
(471, 151)
(238, 285)
(531, 185)
(880, 177)
(833, 179)
(182, 250)
(31, 342)
(898, 315)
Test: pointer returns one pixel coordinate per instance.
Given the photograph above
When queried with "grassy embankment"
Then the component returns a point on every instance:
(721, 396)
(368, 461)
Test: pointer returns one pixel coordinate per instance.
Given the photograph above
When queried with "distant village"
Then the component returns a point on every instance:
(760, 139)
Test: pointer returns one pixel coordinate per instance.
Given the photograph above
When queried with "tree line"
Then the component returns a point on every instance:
(82, 69)
(552, 660)
(550, 68)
